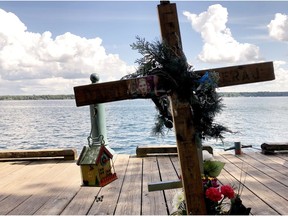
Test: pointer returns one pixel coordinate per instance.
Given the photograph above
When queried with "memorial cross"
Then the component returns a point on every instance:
(181, 111)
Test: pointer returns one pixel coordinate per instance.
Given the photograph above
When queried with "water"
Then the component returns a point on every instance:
(60, 124)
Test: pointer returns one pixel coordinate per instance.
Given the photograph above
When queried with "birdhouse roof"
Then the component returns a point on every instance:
(91, 155)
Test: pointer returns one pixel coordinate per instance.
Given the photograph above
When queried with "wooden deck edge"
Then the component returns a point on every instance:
(65, 154)
(270, 148)
(144, 151)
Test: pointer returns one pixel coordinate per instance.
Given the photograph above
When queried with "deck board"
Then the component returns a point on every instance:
(130, 198)
(41, 188)
(53, 187)
(250, 199)
(257, 182)
(62, 193)
(19, 188)
(168, 173)
(111, 192)
(153, 203)
(272, 161)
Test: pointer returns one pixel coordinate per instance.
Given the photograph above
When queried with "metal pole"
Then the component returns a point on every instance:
(97, 116)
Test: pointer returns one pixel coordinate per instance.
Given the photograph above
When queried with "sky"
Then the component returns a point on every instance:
(49, 47)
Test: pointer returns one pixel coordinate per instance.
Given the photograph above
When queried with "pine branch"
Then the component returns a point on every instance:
(179, 77)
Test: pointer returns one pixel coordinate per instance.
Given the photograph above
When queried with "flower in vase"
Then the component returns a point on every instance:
(227, 191)
(213, 194)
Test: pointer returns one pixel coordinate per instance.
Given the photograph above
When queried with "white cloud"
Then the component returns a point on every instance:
(278, 28)
(36, 62)
(219, 44)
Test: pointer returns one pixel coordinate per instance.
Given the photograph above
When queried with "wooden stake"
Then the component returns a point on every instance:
(183, 121)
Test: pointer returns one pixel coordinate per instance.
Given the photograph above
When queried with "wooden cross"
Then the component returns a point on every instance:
(181, 111)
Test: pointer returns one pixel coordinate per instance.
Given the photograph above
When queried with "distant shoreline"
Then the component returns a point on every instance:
(71, 96)
(254, 94)
(37, 97)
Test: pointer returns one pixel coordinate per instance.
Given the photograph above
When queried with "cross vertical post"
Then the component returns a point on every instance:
(183, 120)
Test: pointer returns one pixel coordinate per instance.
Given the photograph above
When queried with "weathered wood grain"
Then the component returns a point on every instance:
(82, 201)
(8, 168)
(63, 192)
(53, 187)
(260, 188)
(13, 181)
(270, 148)
(143, 151)
(273, 161)
(263, 173)
(67, 154)
(244, 74)
(250, 199)
(119, 90)
(168, 173)
(129, 202)
(37, 189)
(18, 189)
(153, 203)
(112, 191)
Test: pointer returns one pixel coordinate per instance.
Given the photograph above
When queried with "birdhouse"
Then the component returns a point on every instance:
(96, 166)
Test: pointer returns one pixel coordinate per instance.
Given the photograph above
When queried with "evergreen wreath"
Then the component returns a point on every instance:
(179, 77)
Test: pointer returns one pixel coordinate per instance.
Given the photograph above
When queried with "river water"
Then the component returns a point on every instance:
(40, 124)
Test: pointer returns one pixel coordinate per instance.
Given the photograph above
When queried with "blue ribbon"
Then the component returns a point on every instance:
(205, 78)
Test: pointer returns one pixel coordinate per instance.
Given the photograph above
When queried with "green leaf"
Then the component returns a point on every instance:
(213, 168)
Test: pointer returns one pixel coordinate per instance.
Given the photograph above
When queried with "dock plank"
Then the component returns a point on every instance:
(250, 199)
(12, 166)
(12, 174)
(63, 193)
(168, 173)
(53, 187)
(41, 189)
(129, 202)
(233, 166)
(274, 161)
(82, 201)
(16, 190)
(111, 192)
(176, 164)
(153, 202)
(269, 177)
(9, 174)
(275, 170)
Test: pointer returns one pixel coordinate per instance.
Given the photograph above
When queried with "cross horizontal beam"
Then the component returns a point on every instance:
(129, 89)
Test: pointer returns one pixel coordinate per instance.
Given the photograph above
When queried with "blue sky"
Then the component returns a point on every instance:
(50, 47)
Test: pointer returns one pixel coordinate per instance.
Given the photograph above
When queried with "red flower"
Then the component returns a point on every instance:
(213, 194)
(227, 191)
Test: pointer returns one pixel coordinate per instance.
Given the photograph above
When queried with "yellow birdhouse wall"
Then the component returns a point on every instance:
(90, 175)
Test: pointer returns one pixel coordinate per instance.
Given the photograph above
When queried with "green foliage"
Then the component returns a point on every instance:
(179, 77)
(212, 168)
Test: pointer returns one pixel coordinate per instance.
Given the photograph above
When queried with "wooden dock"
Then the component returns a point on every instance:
(53, 187)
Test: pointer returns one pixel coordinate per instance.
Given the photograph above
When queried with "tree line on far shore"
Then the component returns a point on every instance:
(71, 96)
(254, 94)
(37, 97)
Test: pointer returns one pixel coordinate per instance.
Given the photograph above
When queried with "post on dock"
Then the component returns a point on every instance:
(97, 116)
(96, 160)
